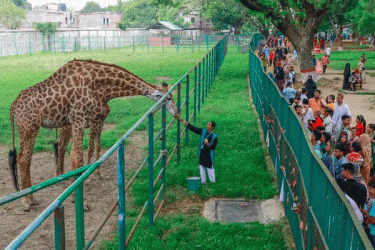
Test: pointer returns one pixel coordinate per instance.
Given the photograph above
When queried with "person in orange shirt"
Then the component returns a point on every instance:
(317, 103)
(331, 102)
(325, 62)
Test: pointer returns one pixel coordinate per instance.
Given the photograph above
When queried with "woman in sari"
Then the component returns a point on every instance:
(364, 139)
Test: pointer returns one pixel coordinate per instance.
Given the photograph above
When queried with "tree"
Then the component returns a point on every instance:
(138, 14)
(363, 19)
(24, 4)
(11, 16)
(47, 29)
(91, 7)
(299, 20)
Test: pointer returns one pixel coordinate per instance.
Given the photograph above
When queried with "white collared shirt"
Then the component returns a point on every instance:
(341, 110)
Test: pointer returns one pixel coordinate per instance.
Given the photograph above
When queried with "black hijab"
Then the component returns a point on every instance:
(310, 87)
(346, 83)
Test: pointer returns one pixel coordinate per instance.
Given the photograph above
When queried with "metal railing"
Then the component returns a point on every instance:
(197, 83)
(63, 41)
(319, 214)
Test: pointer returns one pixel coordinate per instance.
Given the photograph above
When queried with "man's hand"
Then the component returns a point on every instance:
(206, 142)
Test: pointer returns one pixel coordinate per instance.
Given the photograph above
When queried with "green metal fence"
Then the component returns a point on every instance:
(192, 89)
(319, 215)
(68, 41)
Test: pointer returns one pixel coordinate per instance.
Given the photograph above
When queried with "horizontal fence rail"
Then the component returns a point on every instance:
(319, 214)
(13, 43)
(192, 89)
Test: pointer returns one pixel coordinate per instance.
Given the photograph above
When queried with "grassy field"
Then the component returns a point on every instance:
(240, 170)
(240, 165)
(339, 59)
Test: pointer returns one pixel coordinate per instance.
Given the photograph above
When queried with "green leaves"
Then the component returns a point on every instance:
(11, 16)
(91, 7)
(46, 28)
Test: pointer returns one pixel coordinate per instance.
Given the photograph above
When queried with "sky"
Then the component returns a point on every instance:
(73, 4)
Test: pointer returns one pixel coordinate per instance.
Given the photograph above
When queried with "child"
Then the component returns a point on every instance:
(353, 135)
(323, 141)
(330, 100)
(356, 159)
(345, 126)
(296, 101)
(315, 137)
(304, 94)
(327, 119)
(361, 125)
(328, 159)
(318, 122)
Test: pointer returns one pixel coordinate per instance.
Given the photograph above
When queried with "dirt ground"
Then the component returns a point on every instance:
(99, 195)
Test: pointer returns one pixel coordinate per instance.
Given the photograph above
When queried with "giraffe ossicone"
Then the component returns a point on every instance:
(72, 99)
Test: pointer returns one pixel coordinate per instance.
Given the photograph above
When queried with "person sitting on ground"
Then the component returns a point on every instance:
(330, 100)
(343, 139)
(317, 122)
(289, 92)
(310, 86)
(355, 158)
(345, 188)
(345, 126)
(326, 137)
(361, 125)
(339, 154)
(356, 79)
(317, 103)
(327, 158)
(327, 120)
(353, 135)
(315, 137)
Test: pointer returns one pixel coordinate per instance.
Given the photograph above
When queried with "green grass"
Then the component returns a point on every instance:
(339, 59)
(240, 171)
(20, 72)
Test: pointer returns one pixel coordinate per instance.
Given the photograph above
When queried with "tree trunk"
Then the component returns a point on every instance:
(338, 41)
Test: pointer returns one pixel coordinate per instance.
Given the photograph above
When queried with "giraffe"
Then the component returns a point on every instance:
(72, 99)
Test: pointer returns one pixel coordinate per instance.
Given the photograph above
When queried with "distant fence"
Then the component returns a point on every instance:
(319, 214)
(19, 43)
(192, 89)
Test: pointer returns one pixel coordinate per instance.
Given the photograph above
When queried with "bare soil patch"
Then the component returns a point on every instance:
(99, 195)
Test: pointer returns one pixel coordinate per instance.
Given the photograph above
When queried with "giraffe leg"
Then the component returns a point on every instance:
(27, 137)
(65, 136)
(95, 131)
(76, 156)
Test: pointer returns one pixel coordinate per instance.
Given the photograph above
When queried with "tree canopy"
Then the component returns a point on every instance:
(91, 7)
(11, 16)
(362, 18)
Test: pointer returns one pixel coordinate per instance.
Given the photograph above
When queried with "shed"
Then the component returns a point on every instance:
(164, 33)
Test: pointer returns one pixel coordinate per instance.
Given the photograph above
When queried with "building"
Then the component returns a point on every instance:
(98, 20)
(198, 22)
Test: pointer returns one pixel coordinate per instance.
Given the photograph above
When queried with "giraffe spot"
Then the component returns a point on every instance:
(112, 75)
(121, 75)
(54, 75)
(64, 70)
(68, 83)
(79, 91)
(65, 101)
(101, 73)
(58, 98)
(78, 64)
(117, 82)
(115, 89)
(128, 78)
(71, 72)
(53, 104)
(93, 75)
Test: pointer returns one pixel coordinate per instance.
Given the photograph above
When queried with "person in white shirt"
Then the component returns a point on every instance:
(341, 109)
(328, 51)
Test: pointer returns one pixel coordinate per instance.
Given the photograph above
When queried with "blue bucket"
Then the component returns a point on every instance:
(194, 183)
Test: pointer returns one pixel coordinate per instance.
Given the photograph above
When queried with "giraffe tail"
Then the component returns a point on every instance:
(13, 156)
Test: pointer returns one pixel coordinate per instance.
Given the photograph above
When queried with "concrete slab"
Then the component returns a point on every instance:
(242, 211)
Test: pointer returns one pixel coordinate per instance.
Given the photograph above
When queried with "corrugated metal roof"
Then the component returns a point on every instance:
(167, 24)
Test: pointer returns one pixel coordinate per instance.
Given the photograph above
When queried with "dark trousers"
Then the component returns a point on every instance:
(324, 69)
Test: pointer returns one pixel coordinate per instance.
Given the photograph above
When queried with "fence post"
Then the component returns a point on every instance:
(163, 145)
(133, 44)
(59, 228)
(199, 86)
(80, 224)
(207, 43)
(195, 94)
(30, 49)
(187, 107)
(121, 196)
(150, 170)
(178, 123)
(203, 78)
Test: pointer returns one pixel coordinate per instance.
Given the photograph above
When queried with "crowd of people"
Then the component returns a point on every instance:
(348, 152)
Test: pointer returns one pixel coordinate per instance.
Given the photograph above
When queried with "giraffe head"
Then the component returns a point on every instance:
(159, 93)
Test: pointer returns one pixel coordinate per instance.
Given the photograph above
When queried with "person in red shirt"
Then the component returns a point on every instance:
(361, 124)
(325, 62)
(321, 44)
(318, 122)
